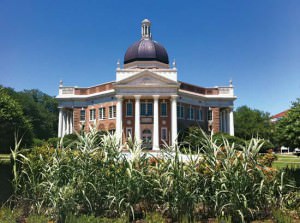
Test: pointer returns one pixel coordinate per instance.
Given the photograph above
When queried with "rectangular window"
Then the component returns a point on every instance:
(82, 115)
(209, 115)
(200, 115)
(112, 111)
(180, 111)
(191, 113)
(143, 109)
(163, 109)
(102, 113)
(92, 114)
(164, 134)
(146, 109)
(129, 109)
(128, 132)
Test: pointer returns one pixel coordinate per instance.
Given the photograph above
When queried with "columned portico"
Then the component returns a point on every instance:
(155, 123)
(174, 119)
(137, 132)
(119, 117)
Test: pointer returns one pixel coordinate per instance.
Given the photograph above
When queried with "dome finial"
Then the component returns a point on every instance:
(118, 65)
(230, 83)
(174, 64)
(146, 32)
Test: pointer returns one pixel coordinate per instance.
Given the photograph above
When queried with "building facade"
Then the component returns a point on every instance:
(146, 101)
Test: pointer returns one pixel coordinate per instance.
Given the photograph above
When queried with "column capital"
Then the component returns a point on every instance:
(119, 97)
(155, 97)
(137, 97)
(174, 97)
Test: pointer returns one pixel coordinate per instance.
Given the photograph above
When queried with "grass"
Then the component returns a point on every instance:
(287, 160)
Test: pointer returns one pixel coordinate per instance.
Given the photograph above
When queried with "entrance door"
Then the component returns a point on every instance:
(147, 139)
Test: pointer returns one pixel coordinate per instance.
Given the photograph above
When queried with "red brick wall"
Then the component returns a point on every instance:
(216, 120)
(92, 90)
(106, 124)
(166, 120)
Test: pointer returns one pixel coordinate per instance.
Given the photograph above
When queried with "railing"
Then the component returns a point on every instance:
(66, 90)
(225, 90)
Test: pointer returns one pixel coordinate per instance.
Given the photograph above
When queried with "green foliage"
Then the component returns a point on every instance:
(233, 140)
(92, 219)
(267, 145)
(249, 123)
(37, 108)
(281, 217)
(12, 120)
(288, 128)
(9, 216)
(96, 178)
(37, 219)
(155, 218)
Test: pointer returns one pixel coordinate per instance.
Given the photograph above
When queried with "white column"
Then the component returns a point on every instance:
(68, 122)
(63, 132)
(71, 122)
(119, 117)
(60, 122)
(137, 131)
(231, 123)
(174, 119)
(155, 123)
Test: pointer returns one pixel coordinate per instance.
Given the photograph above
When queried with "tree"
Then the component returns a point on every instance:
(40, 109)
(250, 123)
(288, 128)
(12, 121)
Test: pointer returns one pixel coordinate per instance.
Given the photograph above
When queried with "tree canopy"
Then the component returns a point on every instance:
(38, 109)
(250, 123)
(13, 122)
(288, 128)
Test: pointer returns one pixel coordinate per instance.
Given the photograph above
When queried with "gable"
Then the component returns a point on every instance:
(146, 78)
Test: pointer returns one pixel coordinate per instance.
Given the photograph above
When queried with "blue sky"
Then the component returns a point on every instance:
(255, 42)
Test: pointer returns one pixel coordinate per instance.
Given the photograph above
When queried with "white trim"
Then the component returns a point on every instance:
(75, 96)
(114, 108)
(217, 96)
(90, 111)
(84, 115)
(103, 113)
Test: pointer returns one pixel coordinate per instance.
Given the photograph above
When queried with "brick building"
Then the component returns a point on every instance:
(146, 100)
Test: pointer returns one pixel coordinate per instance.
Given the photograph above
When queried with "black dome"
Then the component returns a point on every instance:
(146, 50)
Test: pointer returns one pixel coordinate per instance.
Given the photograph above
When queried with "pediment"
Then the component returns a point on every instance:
(146, 78)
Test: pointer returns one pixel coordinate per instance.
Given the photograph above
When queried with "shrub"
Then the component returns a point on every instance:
(37, 219)
(96, 178)
(219, 140)
(9, 216)
(38, 142)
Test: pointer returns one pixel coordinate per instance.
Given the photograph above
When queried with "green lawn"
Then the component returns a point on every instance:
(286, 160)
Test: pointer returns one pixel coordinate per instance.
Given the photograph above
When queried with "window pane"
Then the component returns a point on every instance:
(129, 109)
(164, 133)
(114, 111)
(209, 115)
(82, 115)
(143, 109)
(110, 111)
(149, 109)
(92, 114)
(163, 109)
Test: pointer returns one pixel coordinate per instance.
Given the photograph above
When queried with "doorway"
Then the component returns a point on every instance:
(147, 139)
